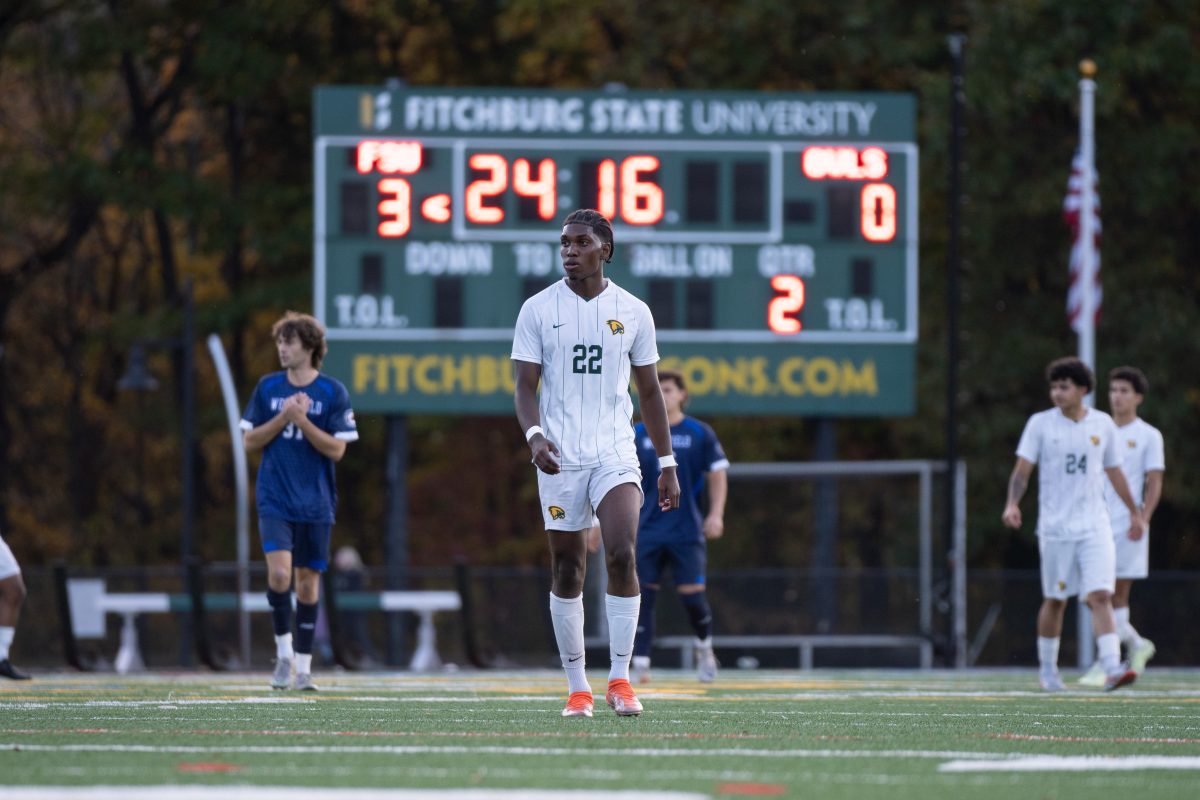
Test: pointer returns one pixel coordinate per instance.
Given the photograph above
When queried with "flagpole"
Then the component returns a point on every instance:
(1087, 232)
(1087, 281)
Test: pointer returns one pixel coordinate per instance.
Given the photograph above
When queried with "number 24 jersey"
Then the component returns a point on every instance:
(1071, 458)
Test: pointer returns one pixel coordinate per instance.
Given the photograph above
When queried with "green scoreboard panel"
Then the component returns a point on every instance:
(774, 237)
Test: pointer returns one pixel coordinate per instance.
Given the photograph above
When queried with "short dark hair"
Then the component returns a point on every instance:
(597, 222)
(1135, 376)
(1071, 369)
(672, 375)
(294, 325)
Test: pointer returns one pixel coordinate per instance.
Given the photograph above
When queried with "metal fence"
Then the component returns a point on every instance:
(509, 622)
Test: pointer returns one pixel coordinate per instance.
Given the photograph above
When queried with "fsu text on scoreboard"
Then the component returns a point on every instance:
(774, 237)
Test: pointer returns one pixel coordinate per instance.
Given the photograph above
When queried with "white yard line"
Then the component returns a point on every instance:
(1074, 764)
(622, 752)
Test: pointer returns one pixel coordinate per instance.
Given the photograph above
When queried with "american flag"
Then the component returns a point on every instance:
(1072, 204)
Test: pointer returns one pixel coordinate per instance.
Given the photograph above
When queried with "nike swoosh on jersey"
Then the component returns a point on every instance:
(559, 325)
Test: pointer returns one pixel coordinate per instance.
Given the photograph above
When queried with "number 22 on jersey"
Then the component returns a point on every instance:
(587, 359)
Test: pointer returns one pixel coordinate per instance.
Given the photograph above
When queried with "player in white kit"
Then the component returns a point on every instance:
(12, 595)
(1074, 446)
(581, 337)
(1143, 463)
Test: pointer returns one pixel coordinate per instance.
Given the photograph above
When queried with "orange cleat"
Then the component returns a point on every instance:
(1122, 677)
(622, 699)
(579, 704)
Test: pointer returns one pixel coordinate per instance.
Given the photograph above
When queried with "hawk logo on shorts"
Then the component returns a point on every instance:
(557, 513)
(615, 326)
(1062, 586)
(1095, 439)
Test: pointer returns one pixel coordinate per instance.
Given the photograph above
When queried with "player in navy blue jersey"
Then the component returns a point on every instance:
(679, 540)
(301, 419)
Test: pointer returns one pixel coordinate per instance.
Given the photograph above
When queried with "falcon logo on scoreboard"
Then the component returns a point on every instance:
(615, 326)
(556, 512)
(375, 111)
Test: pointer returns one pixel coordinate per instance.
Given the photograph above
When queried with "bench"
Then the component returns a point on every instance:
(805, 644)
(89, 603)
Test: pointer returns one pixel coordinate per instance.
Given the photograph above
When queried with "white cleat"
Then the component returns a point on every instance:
(282, 677)
(1051, 682)
(706, 664)
(1140, 655)
(1094, 677)
(640, 669)
(304, 682)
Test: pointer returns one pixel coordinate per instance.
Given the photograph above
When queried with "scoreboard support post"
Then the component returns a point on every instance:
(396, 530)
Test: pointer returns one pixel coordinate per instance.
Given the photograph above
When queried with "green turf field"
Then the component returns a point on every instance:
(499, 734)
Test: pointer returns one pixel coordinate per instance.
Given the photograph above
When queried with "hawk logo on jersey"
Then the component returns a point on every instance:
(556, 512)
(615, 326)
(1131, 443)
(1095, 439)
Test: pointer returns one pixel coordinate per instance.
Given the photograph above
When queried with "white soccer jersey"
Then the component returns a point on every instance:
(1071, 458)
(8, 562)
(586, 349)
(1141, 447)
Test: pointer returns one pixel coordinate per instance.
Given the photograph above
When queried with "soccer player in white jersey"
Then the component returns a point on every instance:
(581, 337)
(1143, 463)
(1074, 446)
(12, 595)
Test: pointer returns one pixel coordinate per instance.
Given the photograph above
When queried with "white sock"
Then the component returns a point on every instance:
(303, 663)
(283, 646)
(704, 644)
(6, 637)
(1047, 649)
(1127, 633)
(567, 616)
(622, 628)
(1109, 646)
(641, 662)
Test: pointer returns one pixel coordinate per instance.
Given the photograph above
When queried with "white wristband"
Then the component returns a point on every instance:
(534, 430)
(666, 461)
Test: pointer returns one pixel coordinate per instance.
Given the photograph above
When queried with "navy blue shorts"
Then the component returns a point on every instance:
(687, 561)
(307, 541)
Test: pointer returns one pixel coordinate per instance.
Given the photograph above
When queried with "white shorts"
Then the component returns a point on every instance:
(8, 564)
(1133, 558)
(570, 498)
(1077, 566)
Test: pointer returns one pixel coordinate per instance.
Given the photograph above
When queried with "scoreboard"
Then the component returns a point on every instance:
(773, 235)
